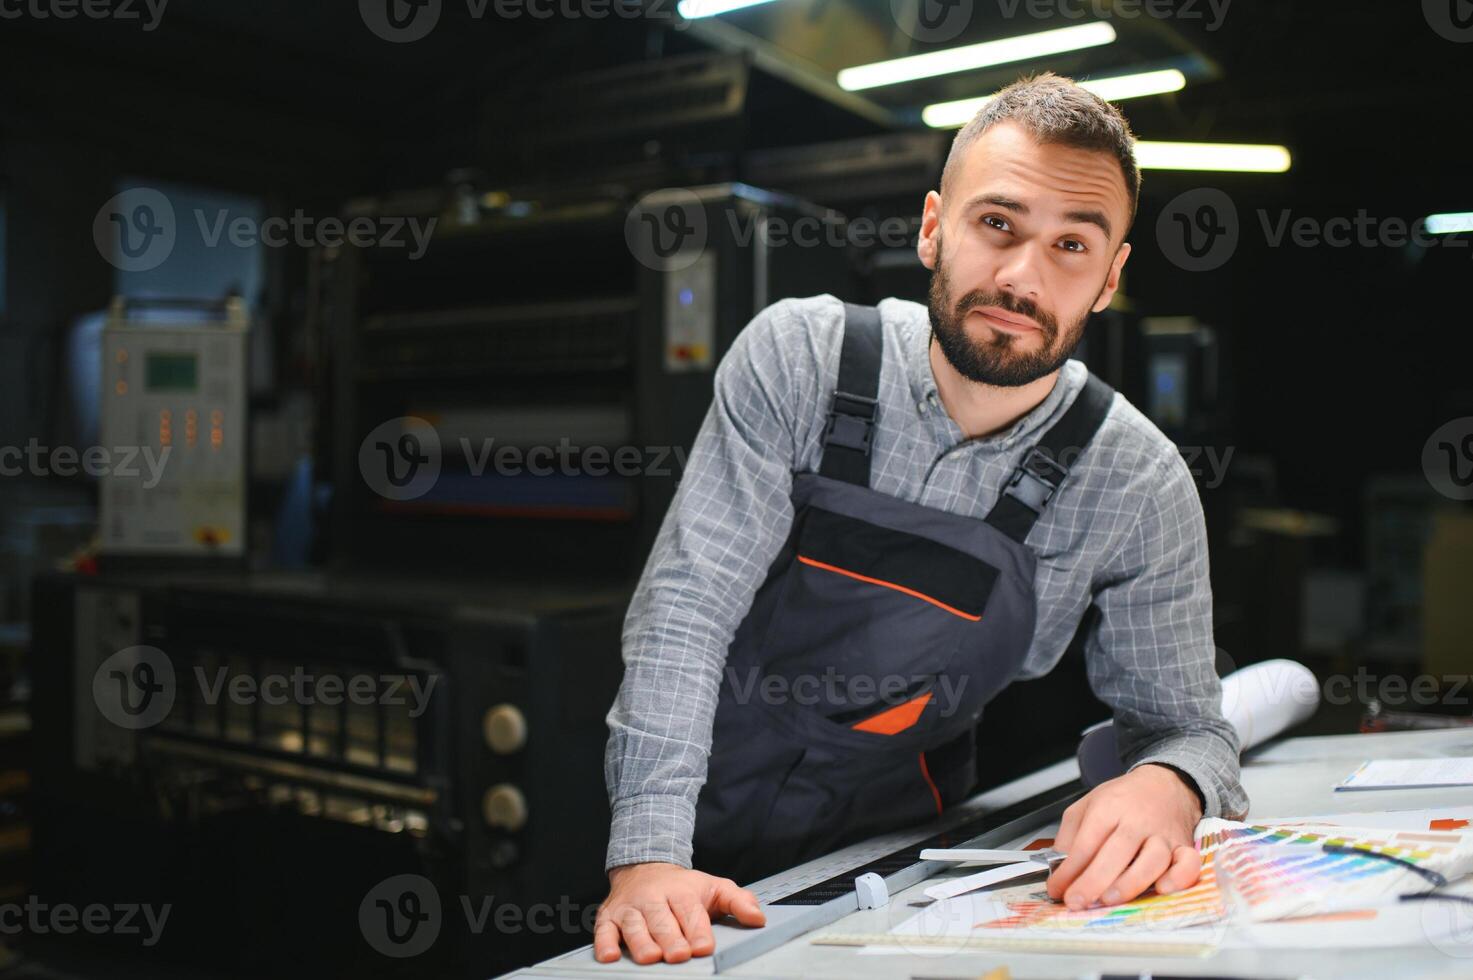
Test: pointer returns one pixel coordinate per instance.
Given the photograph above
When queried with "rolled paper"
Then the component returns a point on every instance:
(1260, 701)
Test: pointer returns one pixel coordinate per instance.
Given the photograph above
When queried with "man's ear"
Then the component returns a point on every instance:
(928, 241)
(1112, 281)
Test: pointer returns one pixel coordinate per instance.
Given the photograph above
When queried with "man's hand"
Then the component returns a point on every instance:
(664, 911)
(1126, 835)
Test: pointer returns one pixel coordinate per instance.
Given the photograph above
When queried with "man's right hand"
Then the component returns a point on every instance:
(663, 911)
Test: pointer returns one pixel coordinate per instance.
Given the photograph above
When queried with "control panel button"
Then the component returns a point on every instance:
(504, 806)
(505, 728)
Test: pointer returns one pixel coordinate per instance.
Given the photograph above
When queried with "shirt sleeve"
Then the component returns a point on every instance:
(729, 518)
(1151, 658)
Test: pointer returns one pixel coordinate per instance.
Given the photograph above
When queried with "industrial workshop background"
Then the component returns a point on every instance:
(366, 341)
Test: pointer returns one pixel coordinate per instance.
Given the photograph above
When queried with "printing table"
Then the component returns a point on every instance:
(1292, 777)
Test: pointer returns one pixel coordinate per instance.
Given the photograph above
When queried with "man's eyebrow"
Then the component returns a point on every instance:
(997, 200)
(1088, 215)
(1092, 217)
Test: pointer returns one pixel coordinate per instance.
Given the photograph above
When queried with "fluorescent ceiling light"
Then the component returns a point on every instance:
(696, 9)
(950, 115)
(1134, 86)
(972, 56)
(1238, 157)
(1449, 224)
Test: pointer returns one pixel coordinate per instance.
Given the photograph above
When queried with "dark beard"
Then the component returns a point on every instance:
(994, 361)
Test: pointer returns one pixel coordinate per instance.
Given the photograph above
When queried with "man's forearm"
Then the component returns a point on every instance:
(730, 516)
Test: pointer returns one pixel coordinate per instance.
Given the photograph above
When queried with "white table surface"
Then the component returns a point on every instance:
(1289, 778)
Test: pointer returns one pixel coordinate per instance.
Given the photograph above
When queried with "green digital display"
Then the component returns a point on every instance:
(170, 372)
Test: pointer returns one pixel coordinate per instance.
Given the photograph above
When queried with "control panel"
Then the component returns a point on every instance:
(173, 419)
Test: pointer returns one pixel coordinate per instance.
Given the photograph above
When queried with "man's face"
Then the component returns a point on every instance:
(1032, 246)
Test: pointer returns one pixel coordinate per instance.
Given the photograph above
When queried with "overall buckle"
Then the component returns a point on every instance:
(851, 422)
(1036, 480)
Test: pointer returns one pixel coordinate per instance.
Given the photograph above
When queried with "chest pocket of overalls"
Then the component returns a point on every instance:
(870, 620)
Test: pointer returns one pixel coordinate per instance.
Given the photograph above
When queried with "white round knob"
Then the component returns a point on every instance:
(504, 806)
(505, 728)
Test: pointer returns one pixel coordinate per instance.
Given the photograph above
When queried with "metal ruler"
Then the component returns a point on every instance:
(830, 899)
(1022, 944)
(968, 819)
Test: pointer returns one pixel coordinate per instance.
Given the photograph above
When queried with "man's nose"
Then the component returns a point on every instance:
(1020, 271)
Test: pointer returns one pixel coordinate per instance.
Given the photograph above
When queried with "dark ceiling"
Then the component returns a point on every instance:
(1351, 88)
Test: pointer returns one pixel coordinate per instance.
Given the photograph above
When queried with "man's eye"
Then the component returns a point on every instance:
(995, 221)
(1072, 245)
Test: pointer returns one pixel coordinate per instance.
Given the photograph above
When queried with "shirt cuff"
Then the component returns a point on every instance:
(651, 828)
(1221, 797)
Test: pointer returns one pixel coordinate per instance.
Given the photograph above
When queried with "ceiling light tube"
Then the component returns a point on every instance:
(950, 115)
(1449, 224)
(696, 9)
(1231, 157)
(973, 56)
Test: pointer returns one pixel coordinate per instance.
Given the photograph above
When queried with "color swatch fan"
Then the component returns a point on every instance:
(1290, 870)
(1250, 872)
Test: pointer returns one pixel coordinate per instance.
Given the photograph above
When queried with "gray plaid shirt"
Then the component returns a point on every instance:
(1124, 532)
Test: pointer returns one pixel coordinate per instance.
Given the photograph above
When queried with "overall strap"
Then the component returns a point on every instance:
(1046, 465)
(850, 431)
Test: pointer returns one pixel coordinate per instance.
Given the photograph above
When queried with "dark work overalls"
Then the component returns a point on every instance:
(853, 687)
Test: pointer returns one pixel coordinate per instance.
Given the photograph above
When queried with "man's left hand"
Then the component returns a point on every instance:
(1126, 835)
